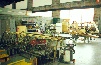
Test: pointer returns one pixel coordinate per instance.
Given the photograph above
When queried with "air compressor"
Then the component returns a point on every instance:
(66, 53)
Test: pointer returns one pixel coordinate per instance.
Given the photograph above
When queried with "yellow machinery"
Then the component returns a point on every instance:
(21, 29)
(65, 25)
(3, 56)
(20, 62)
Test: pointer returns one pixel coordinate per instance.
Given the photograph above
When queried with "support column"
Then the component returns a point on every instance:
(55, 14)
(29, 4)
(0, 29)
(97, 17)
(97, 14)
(14, 5)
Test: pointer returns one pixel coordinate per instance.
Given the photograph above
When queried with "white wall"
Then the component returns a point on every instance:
(63, 1)
(43, 14)
(9, 6)
(79, 15)
(19, 5)
(37, 3)
(65, 14)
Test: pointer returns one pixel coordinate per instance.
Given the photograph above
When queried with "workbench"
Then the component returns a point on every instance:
(87, 37)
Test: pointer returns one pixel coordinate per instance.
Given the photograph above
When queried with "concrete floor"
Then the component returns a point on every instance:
(86, 53)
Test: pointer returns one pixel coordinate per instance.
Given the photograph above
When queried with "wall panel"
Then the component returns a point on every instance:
(64, 1)
(19, 5)
(37, 3)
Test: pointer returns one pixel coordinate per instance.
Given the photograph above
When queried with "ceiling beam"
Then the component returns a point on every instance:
(63, 6)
